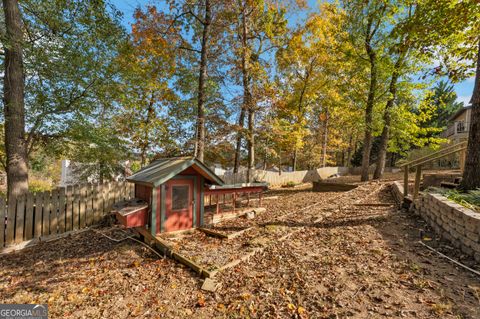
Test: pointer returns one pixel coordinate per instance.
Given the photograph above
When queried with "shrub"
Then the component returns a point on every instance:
(290, 184)
(470, 199)
(39, 185)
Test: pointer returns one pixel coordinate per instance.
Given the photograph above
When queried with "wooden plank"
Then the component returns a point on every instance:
(238, 233)
(462, 159)
(455, 147)
(212, 233)
(106, 198)
(2, 221)
(38, 215)
(111, 197)
(68, 208)
(61, 210)
(117, 192)
(20, 219)
(83, 204)
(418, 178)
(405, 181)
(10, 230)
(76, 208)
(46, 213)
(103, 206)
(99, 213)
(54, 213)
(95, 203)
(332, 187)
(89, 205)
(374, 204)
(28, 231)
(124, 191)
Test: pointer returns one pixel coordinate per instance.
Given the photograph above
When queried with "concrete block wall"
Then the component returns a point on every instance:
(455, 223)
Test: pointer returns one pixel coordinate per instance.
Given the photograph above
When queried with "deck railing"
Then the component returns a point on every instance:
(418, 163)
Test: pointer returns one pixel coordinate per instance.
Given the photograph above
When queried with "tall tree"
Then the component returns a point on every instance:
(14, 104)
(258, 31)
(471, 173)
(147, 64)
(367, 24)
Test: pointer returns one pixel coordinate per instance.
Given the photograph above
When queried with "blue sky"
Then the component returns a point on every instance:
(127, 7)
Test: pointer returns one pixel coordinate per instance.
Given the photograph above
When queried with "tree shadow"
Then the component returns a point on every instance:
(42, 266)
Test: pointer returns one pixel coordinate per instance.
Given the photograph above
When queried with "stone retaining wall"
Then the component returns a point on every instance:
(455, 223)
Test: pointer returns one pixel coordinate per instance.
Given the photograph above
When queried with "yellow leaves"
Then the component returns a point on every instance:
(246, 296)
(299, 310)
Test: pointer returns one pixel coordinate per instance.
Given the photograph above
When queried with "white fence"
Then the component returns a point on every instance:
(274, 178)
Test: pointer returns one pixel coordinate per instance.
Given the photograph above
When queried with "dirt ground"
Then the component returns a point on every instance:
(339, 260)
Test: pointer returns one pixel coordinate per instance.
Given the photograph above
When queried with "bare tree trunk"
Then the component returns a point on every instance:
(238, 146)
(349, 151)
(367, 141)
(325, 140)
(14, 105)
(247, 96)
(146, 137)
(202, 78)
(387, 118)
(471, 173)
(294, 159)
(251, 141)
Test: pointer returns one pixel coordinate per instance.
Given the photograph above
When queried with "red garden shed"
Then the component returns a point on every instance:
(174, 190)
(170, 192)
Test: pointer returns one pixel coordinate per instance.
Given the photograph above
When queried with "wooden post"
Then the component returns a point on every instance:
(69, 206)
(10, 229)
(418, 177)
(463, 155)
(20, 219)
(405, 182)
(54, 213)
(61, 210)
(76, 208)
(38, 215)
(218, 205)
(28, 217)
(46, 213)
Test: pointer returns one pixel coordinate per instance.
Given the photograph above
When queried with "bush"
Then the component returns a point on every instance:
(290, 184)
(470, 199)
(39, 185)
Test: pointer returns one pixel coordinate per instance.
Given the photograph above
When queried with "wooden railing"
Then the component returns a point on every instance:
(450, 150)
(47, 214)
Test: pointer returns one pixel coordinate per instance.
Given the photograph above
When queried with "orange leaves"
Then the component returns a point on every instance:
(201, 300)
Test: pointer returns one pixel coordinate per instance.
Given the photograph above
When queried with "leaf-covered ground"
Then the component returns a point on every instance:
(341, 260)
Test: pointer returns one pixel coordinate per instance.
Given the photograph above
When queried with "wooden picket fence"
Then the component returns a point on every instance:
(47, 214)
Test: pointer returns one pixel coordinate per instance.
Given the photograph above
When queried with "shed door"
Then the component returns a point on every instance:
(179, 204)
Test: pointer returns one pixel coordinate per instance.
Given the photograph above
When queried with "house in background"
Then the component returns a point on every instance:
(459, 125)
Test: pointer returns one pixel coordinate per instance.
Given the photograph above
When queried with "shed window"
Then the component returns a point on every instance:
(180, 197)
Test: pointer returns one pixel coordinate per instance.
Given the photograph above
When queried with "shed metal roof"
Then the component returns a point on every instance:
(161, 170)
